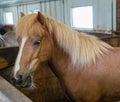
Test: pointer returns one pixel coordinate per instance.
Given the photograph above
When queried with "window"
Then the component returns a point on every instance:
(82, 17)
(8, 18)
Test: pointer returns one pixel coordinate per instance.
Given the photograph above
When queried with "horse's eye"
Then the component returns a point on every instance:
(36, 43)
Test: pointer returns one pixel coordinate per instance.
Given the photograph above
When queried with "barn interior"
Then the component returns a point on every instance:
(95, 17)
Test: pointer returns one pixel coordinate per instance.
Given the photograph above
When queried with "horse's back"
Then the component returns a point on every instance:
(110, 67)
(108, 73)
(101, 79)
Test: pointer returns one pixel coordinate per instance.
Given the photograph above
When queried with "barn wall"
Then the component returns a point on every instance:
(60, 10)
(10, 9)
(1, 16)
(52, 8)
(103, 11)
(118, 15)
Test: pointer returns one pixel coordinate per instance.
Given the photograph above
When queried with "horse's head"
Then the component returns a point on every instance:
(35, 48)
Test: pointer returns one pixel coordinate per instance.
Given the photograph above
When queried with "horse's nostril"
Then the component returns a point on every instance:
(19, 79)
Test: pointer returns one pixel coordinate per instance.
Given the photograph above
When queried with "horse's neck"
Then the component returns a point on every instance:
(59, 62)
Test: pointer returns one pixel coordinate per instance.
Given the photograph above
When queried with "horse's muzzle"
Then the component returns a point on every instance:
(21, 81)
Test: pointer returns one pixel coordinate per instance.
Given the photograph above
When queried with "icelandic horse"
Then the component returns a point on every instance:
(86, 67)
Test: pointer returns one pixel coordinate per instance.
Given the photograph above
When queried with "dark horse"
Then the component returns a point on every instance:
(5, 28)
(86, 67)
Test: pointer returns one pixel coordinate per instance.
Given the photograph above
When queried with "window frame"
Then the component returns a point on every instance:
(78, 28)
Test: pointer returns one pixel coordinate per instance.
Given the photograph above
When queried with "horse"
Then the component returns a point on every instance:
(86, 67)
(9, 39)
(5, 28)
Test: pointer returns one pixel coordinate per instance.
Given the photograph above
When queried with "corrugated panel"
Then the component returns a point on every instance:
(53, 8)
(1, 16)
(78, 3)
(32, 7)
(60, 10)
(21, 8)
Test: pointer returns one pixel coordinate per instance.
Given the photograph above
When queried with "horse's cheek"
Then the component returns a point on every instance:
(45, 51)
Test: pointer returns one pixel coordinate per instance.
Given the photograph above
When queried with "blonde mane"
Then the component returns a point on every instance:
(28, 25)
(82, 48)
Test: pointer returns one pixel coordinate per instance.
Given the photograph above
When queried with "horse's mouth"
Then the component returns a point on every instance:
(25, 83)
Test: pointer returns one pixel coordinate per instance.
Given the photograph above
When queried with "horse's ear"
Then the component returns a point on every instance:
(40, 18)
(22, 14)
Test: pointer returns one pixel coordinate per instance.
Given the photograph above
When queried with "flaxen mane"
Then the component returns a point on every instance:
(82, 48)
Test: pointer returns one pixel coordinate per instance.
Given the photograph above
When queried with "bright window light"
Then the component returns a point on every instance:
(9, 18)
(82, 17)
